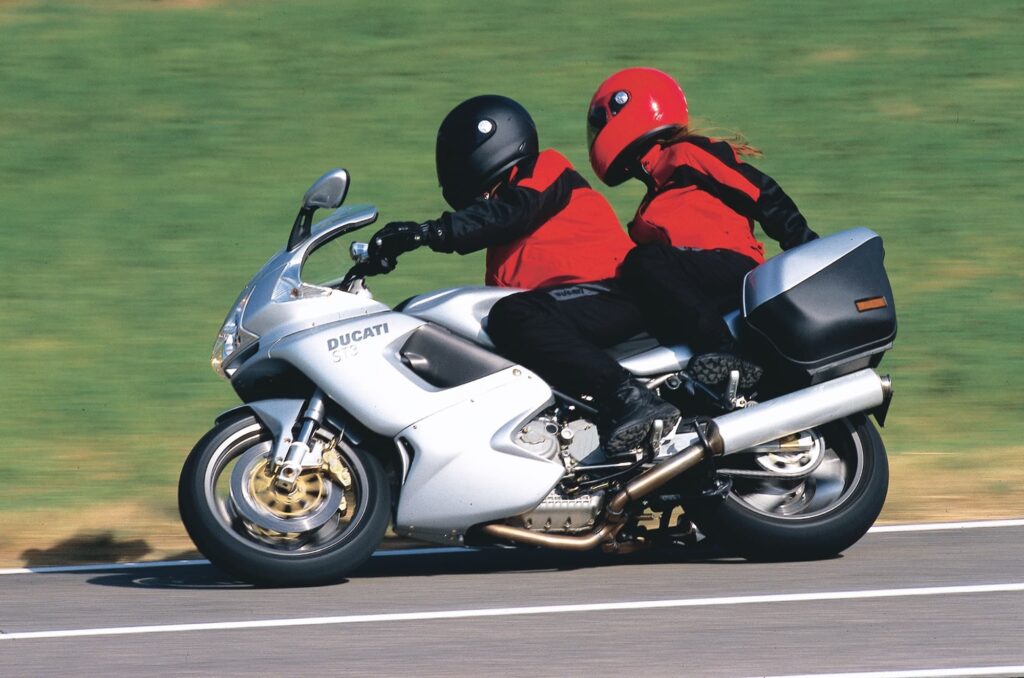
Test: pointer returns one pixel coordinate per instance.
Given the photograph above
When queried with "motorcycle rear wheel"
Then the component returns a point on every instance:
(311, 555)
(815, 517)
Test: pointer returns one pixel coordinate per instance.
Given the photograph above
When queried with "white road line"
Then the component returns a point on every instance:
(517, 611)
(930, 527)
(101, 567)
(922, 673)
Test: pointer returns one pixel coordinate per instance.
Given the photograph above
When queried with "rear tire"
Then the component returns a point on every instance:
(264, 557)
(784, 519)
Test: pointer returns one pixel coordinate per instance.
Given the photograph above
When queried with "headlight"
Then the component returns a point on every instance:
(231, 336)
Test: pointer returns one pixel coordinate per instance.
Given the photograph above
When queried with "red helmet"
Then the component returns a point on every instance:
(629, 110)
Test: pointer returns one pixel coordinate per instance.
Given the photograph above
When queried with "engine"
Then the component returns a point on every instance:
(558, 513)
(575, 444)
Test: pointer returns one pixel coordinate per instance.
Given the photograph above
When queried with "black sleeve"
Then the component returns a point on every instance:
(780, 217)
(515, 211)
(776, 211)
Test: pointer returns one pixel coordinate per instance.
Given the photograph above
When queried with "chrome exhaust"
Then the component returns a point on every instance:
(742, 429)
(733, 432)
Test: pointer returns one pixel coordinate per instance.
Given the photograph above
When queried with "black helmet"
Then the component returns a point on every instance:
(479, 140)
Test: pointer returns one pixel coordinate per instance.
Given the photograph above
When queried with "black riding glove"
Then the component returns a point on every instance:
(378, 266)
(396, 238)
(399, 237)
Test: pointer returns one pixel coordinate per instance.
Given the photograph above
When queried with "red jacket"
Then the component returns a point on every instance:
(544, 227)
(703, 196)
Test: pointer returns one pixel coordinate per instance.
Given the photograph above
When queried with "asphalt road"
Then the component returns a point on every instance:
(899, 601)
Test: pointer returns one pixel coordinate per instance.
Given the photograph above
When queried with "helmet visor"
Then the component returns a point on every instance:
(597, 118)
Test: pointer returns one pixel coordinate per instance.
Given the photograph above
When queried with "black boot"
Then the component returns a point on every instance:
(628, 415)
(713, 368)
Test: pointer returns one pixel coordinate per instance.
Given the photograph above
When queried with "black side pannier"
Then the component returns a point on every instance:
(825, 308)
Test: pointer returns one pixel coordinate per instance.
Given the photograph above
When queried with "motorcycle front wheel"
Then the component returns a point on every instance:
(816, 515)
(328, 525)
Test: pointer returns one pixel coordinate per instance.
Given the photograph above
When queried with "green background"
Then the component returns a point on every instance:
(152, 156)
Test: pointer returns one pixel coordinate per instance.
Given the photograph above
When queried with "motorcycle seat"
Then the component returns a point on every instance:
(463, 311)
(635, 345)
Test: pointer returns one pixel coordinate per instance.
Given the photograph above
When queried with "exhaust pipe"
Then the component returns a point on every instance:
(553, 541)
(740, 430)
(644, 483)
(730, 433)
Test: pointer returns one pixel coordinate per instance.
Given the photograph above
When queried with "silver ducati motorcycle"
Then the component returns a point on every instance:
(357, 416)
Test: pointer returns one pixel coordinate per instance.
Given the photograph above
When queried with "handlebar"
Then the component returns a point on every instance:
(364, 266)
(359, 252)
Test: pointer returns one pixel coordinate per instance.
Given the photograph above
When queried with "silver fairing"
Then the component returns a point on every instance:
(277, 301)
(465, 467)
(463, 310)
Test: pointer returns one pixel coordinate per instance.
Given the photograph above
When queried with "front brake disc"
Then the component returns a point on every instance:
(313, 501)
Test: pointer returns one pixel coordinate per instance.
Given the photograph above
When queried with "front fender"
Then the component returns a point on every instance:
(279, 416)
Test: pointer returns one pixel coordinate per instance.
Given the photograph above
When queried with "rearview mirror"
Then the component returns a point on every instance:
(327, 192)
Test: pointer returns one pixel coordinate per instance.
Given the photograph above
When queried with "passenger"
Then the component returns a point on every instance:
(544, 230)
(694, 227)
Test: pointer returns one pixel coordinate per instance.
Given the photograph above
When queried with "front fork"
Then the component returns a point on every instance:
(289, 455)
(289, 465)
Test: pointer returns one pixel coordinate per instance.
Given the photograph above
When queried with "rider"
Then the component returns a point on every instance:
(694, 227)
(544, 230)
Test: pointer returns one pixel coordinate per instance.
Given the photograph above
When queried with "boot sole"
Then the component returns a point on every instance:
(627, 439)
(632, 437)
(714, 370)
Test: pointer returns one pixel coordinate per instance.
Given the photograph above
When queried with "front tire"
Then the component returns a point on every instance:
(814, 517)
(313, 552)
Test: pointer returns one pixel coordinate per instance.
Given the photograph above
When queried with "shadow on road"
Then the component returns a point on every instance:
(101, 547)
(192, 577)
(428, 565)
(522, 559)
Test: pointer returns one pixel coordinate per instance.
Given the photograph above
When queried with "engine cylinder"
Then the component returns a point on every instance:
(564, 514)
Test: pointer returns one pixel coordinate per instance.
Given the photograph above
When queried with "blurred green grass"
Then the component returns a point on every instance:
(152, 155)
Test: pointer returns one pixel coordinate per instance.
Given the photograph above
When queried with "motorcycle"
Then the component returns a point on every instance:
(355, 416)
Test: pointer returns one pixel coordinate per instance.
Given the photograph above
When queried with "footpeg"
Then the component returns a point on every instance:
(733, 386)
(690, 536)
(657, 430)
(718, 487)
(662, 431)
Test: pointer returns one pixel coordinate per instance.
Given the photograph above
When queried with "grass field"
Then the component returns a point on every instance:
(152, 154)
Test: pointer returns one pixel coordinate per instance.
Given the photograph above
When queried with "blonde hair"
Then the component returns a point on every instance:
(735, 139)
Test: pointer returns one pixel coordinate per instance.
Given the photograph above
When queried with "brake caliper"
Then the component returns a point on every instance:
(332, 465)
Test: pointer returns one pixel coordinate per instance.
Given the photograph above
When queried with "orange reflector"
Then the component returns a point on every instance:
(871, 304)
